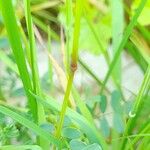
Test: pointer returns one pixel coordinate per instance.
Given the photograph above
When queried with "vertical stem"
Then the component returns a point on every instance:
(73, 66)
(68, 21)
(35, 75)
(64, 106)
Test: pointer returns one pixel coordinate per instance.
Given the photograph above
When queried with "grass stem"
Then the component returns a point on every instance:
(73, 66)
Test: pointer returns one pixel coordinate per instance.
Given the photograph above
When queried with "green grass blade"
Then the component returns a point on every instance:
(29, 124)
(131, 122)
(141, 45)
(15, 41)
(67, 32)
(127, 33)
(35, 73)
(43, 27)
(133, 51)
(144, 130)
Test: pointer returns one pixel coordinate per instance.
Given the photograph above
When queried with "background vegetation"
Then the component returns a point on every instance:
(53, 109)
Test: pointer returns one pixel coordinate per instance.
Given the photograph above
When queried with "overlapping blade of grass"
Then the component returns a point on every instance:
(35, 74)
(145, 129)
(127, 33)
(44, 14)
(15, 41)
(29, 124)
(117, 33)
(145, 32)
(45, 5)
(141, 44)
(139, 99)
(43, 27)
(86, 126)
(134, 52)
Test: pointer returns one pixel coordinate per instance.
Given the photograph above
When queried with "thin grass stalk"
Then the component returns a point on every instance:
(68, 21)
(127, 33)
(15, 41)
(35, 75)
(73, 66)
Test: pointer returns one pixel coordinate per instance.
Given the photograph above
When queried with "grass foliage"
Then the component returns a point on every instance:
(33, 114)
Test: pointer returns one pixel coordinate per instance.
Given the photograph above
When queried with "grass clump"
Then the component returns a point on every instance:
(95, 112)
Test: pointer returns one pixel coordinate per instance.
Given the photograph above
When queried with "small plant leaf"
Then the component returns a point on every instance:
(103, 103)
(118, 123)
(71, 133)
(116, 101)
(104, 127)
(77, 145)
